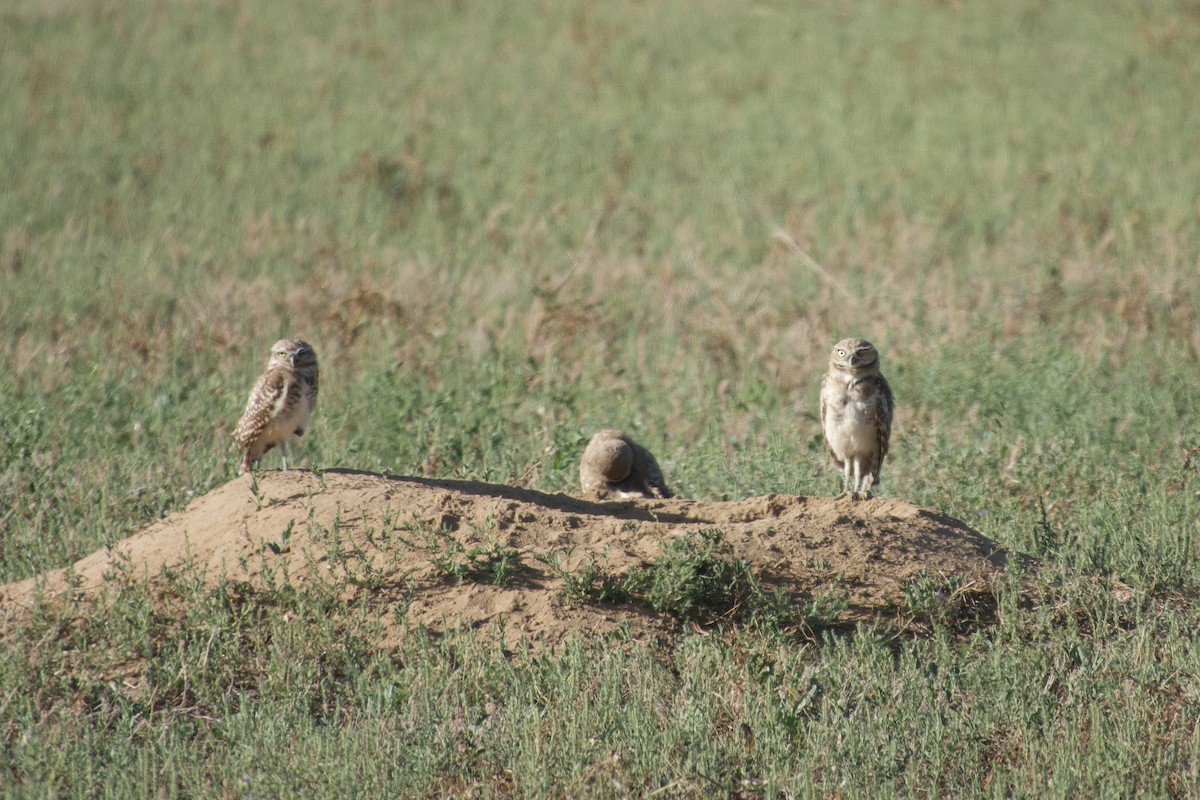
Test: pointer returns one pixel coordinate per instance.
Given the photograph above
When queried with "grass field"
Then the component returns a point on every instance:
(504, 226)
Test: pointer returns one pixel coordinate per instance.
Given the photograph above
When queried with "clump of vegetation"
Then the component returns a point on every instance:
(591, 583)
(697, 579)
(824, 607)
(929, 599)
(489, 561)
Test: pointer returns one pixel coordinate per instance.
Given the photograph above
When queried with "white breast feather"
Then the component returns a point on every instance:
(850, 422)
(283, 424)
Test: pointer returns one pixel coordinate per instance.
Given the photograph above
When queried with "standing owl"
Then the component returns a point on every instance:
(280, 403)
(856, 414)
(614, 465)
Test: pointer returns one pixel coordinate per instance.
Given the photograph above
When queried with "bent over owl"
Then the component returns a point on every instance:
(615, 466)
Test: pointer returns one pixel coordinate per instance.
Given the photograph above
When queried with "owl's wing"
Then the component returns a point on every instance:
(649, 474)
(883, 418)
(822, 406)
(263, 399)
(825, 425)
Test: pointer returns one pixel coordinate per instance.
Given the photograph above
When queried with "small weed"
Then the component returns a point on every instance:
(931, 600)
(825, 606)
(1045, 539)
(285, 539)
(256, 491)
(590, 584)
(490, 561)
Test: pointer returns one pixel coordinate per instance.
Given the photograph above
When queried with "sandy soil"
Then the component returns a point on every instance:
(324, 527)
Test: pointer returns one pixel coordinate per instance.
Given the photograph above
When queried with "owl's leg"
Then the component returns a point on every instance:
(845, 477)
(868, 481)
(283, 454)
(858, 478)
(253, 453)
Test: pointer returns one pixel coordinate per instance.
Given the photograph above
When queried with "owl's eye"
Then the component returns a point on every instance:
(841, 353)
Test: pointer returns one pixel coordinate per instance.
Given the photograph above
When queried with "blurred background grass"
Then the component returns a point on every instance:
(506, 225)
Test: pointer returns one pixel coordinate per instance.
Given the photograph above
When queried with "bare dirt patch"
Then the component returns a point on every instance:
(362, 532)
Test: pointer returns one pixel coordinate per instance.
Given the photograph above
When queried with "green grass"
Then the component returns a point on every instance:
(490, 561)
(506, 225)
(696, 579)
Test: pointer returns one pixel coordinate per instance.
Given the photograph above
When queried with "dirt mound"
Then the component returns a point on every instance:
(407, 540)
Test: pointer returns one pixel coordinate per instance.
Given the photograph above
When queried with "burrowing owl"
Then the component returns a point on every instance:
(856, 414)
(614, 465)
(280, 403)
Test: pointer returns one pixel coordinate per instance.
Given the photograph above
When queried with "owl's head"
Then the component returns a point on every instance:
(293, 353)
(855, 355)
(608, 455)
